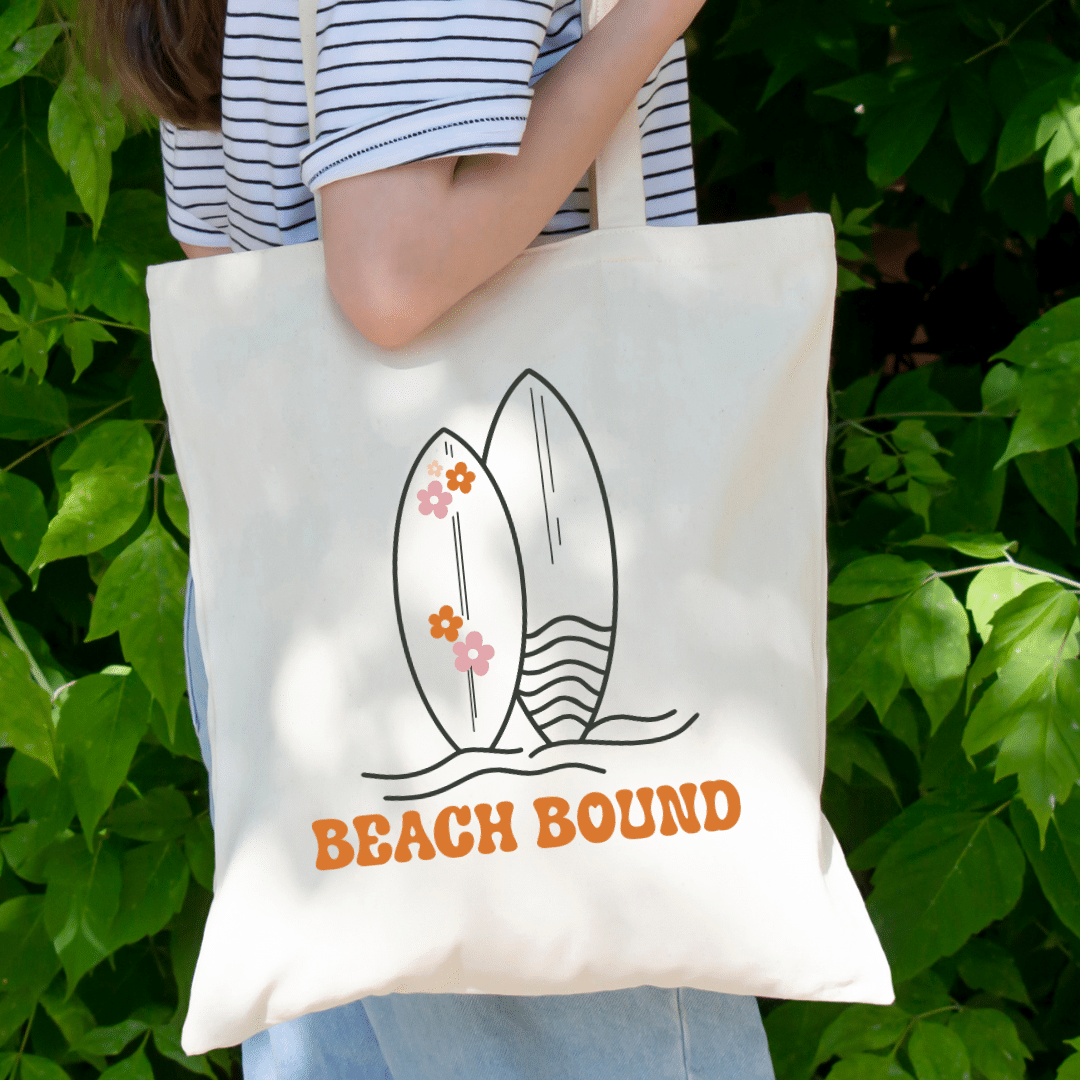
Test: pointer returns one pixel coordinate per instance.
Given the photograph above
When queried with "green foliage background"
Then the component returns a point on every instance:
(954, 703)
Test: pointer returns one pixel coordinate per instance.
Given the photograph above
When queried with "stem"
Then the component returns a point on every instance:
(1008, 40)
(13, 630)
(922, 1016)
(26, 1036)
(1005, 562)
(64, 434)
(905, 415)
(82, 318)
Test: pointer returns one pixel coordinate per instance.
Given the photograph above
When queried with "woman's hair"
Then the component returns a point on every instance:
(164, 54)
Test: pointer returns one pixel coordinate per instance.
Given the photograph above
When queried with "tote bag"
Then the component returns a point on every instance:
(515, 637)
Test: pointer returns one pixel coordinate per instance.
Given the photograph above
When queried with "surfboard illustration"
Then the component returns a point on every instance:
(507, 594)
(458, 587)
(555, 496)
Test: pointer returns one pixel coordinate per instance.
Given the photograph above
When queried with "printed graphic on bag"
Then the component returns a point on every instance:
(507, 592)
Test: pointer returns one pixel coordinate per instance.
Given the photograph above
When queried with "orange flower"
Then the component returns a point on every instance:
(446, 624)
(459, 478)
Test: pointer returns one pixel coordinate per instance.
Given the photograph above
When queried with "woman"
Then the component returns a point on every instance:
(431, 182)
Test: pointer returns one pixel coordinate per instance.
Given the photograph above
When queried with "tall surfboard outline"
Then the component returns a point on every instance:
(406, 490)
(611, 539)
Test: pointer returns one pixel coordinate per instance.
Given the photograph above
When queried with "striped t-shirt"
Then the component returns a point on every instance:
(398, 81)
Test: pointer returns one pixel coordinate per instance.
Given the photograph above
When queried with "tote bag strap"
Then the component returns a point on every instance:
(617, 184)
(618, 190)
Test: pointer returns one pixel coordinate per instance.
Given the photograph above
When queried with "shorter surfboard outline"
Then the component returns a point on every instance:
(406, 491)
(587, 727)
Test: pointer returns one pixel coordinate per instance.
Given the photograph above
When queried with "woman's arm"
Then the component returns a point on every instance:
(194, 251)
(404, 245)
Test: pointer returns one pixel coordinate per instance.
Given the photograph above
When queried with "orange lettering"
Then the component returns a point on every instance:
(412, 832)
(552, 813)
(713, 822)
(363, 825)
(648, 827)
(442, 832)
(668, 800)
(331, 833)
(596, 834)
(501, 826)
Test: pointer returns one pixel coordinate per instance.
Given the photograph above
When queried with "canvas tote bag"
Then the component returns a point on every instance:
(516, 636)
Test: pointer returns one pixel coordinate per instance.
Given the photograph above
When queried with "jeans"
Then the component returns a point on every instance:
(642, 1034)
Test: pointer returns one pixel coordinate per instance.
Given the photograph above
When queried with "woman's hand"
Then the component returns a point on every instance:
(404, 245)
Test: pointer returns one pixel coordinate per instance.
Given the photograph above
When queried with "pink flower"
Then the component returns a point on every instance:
(473, 653)
(434, 468)
(434, 500)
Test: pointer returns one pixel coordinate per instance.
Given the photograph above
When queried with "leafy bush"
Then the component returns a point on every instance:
(941, 129)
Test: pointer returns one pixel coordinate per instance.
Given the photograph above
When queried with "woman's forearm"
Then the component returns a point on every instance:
(406, 244)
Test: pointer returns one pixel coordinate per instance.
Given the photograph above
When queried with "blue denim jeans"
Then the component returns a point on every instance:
(642, 1034)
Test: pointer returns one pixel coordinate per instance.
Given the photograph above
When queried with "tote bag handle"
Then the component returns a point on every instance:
(616, 180)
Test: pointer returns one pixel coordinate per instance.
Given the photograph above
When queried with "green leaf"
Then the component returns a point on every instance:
(1070, 1067)
(26, 53)
(899, 135)
(100, 506)
(853, 402)
(972, 112)
(883, 468)
(199, 849)
(33, 1067)
(705, 121)
(864, 657)
(1000, 390)
(113, 277)
(794, 1029)
(993, 546)
(849, 747)
(917, 498)
(1049, 414)
(1055, 860)
(1051, 477)
(902, 722)
(1035, 121)
(991, 1039)
(911, 435)
(155, 881)
(167, 1041)
(992, 588)
(876, 577)
(1028, 633)
(101, 723)
(25, 708)
(1059, 326)
(934, 646)
(1041, 740)
(142, 596)
(70, 1014)
(23, 518)
(79, 337)
(106, 1041)
(859, 1028)
(161, 814)
(986, 966)
(28, 960)
(134, 1067)
(34, 192)
(938, 1053)
(85, 128)
(80, 904)
(867, 1067)
(926, 469)
(16, 20)
(30, 410)
(941, 883)
(175, 503)
(848, 281)
(973, 503)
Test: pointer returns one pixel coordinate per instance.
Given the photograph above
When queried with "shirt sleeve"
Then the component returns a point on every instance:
(406, 80)
(194, 166)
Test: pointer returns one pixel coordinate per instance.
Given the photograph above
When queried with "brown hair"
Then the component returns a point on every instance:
(164, 54)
